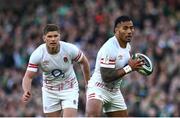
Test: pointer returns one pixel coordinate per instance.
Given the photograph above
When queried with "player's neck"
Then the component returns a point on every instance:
(122, 44)
(53, 50)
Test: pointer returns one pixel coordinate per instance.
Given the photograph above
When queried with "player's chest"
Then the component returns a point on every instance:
(122, 59)
(61, 61)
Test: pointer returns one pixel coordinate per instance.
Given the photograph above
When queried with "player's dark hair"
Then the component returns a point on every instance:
(50, 27)
(121, 19)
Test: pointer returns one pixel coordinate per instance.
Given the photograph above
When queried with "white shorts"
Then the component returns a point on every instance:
(58, 100)
(112, 101)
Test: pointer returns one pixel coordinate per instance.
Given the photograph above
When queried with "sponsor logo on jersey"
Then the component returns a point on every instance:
(120, 57)
(45, 63)
(57, 73)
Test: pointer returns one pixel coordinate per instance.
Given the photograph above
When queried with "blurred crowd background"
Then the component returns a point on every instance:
(88, 24)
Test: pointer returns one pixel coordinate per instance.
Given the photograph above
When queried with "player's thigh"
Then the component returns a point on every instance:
(70, 103)
(53, 114)
(70, 100)
(117, 103)
(122, 113)
(69, 112)
(94, 107)
(51, 102)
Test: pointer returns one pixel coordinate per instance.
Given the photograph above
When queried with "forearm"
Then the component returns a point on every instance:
(86, 72)
(110, 75)
(27, 80)
(85, 69)
(26, 84)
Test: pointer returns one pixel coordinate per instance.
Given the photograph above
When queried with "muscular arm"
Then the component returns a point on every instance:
(85, 68)
(27, 80)
(111, 74)
(26, 85)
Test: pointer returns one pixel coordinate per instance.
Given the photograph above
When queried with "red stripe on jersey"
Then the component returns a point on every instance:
(110, 60)
(110, 63)
(91, 95)
(77, 58)
(32, 65)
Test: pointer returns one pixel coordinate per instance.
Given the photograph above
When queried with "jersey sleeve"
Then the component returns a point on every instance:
(34, 60)
(107, 58)
(76, 53)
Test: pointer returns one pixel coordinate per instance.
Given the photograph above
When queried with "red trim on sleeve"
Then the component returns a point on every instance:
(30, 65)
(91, 95)
(77, 57)
(110, 62)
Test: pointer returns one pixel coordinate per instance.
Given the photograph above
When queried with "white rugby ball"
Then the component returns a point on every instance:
(147, 68)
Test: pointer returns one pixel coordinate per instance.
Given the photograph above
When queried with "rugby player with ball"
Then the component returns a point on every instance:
(113, 62)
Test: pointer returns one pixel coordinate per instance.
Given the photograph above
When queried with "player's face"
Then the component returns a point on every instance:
(52, 39)
(125, 31)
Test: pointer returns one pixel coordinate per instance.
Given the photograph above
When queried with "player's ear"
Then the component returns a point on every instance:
(116, 30)
(44, 39)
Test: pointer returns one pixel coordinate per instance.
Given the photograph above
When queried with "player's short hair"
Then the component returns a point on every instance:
(50, 27)
(121, 19)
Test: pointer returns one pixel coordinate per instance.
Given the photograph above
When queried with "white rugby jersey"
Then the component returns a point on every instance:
(111, 55)
(56, 68)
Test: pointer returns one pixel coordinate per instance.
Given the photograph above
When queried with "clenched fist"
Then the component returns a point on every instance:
(26, 96)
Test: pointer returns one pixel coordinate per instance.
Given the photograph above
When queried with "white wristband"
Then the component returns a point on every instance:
(127, 69)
